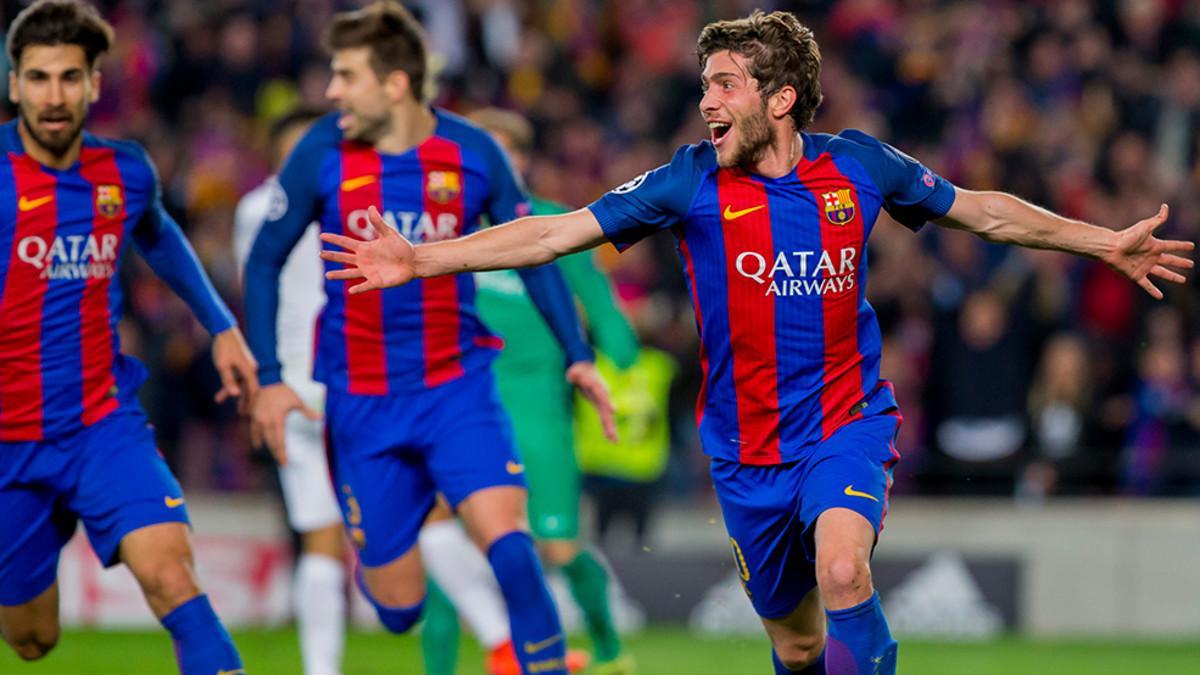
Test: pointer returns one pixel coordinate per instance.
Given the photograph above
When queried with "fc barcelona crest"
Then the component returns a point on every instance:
(839, 206)
(443, 187)
(109, 200)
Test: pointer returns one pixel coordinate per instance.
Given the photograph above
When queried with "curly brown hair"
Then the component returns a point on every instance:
(59, 22)
(781, 51)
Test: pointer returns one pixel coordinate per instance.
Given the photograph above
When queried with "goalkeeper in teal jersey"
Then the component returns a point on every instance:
(540, 403)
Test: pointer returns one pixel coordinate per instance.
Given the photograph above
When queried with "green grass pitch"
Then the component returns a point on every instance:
(665, 651)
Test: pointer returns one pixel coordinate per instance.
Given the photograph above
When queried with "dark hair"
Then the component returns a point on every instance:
(59, 22)
(300, 115)
(781, 52)
(391, 33)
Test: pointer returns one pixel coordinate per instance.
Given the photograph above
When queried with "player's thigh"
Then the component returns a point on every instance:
(469, 439)
(307, 490)
(123, 483)
(33, 623)
(399, 582)
(852, 471)
(383, 487)
(759, 505)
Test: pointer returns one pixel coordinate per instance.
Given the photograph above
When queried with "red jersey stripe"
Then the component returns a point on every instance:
(366, 357)
(98, 166)
(689, 268)
(442, 182)
(21, 305)
(841, 225)
(746, 226)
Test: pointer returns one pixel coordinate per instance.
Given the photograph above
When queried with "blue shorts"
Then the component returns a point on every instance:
(770, 511)
(109, 475)
(390, 455)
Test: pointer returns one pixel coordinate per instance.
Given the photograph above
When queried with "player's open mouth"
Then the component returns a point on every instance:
(345, 119)
(55, 123)
(718, 131)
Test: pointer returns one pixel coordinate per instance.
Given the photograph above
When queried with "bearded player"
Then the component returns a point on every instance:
(772, 223)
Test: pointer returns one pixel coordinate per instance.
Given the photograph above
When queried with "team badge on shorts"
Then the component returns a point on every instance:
(839, 206)
(443, 186)
(109, 200)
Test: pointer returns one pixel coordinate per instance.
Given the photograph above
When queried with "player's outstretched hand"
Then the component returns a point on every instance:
(586, 378)
(270, 410)
(237, 367)
(386, 260)
(1139, 255)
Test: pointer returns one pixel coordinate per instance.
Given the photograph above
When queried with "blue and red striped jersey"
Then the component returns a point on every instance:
(423, 333)
(789, 345)
(61, 237)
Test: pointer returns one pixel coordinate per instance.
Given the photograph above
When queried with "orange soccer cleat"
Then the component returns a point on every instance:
(502, 660)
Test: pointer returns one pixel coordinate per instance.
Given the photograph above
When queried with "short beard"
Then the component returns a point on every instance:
(754, 139)
(57, 145)
(373, 129)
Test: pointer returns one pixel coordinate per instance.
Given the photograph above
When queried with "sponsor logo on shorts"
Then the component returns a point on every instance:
(173, 502)
(851, 492)
(535, 647)
(514, 467)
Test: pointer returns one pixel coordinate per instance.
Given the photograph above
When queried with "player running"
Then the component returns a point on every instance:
(772, 223)
(416, 357)
(75, 443)
(541, 405)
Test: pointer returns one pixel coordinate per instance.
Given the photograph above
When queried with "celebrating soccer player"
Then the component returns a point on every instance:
(75, 442)
(772, 223)
(411, 408)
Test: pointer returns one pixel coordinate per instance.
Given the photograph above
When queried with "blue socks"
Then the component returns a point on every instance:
(395, 619)
(815, 668)
(202, 646)
(536, 632)
(859, 641)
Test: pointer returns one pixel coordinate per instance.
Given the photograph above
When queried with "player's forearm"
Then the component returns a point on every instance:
(169, 254)
(525, 242)
(1002, 218)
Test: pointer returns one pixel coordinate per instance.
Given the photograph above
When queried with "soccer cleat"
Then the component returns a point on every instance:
(622, 665)
(502, 660)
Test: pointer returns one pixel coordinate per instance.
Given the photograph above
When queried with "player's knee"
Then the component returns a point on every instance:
(843, 574)
(33, 644)
(169, 584)
(798, 652)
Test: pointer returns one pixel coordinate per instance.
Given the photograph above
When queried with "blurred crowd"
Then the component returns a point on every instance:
(1020, 373)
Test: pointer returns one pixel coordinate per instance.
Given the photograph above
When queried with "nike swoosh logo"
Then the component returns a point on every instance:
(352, 184)
(730, 214)
(514, 467)
(26, 204)
(851, 492)
(535, 647)
(173, 502)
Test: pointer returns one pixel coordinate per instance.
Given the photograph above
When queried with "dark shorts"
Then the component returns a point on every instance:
(770, 511)
(109, 475)
(391, 455)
